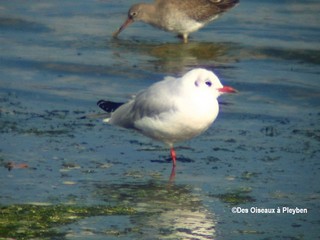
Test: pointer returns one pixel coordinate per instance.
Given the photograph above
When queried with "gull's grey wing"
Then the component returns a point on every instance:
(152, 102)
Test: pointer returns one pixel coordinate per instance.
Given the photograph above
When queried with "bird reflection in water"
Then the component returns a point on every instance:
(170, 211)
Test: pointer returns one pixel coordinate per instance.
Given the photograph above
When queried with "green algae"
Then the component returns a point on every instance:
(235, 197)
(26, 221)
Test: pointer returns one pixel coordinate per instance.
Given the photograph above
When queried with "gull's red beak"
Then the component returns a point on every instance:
(227, 89)
(123, 26)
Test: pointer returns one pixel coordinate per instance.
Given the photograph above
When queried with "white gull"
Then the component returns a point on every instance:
(172, 110)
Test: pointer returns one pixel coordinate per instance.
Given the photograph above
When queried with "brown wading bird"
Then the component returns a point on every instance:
(179, 16)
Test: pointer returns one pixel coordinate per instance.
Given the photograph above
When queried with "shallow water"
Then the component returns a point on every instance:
(58, 59)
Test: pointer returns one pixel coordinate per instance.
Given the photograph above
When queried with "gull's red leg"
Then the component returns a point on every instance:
(173, 156)
(173, 171)
(173, 174)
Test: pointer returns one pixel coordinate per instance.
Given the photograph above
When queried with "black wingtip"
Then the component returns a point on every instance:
(108, 106)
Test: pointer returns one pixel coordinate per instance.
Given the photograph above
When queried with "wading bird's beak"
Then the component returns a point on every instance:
(123, 26)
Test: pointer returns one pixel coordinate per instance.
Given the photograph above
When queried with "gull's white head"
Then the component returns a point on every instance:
(206, 82)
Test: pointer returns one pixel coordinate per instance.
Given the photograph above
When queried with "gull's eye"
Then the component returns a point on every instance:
(208, 83)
